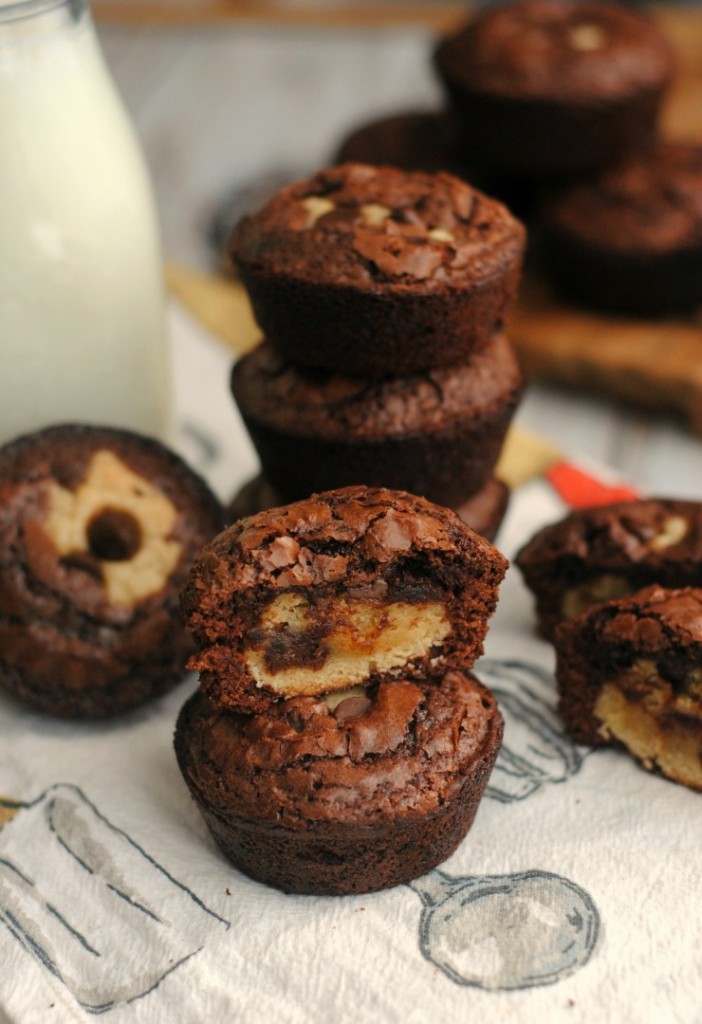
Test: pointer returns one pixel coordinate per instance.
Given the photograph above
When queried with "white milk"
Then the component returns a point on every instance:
(82, 320)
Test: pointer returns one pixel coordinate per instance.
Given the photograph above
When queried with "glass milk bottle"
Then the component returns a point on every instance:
(82, 317)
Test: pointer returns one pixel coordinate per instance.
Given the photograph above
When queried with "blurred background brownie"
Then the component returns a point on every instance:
(347, 795)
(98, 528)
(608, 552)
(483, 512)
(413, 141)
(545, 87)
(437, 434)
(631, 241)
(352, 587)
(629, 672)
(375, 271)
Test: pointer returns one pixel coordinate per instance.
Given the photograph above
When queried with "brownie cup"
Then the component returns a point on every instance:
(629, 673)
(412, 141)
(352, 587)
(631, 241)
(98, 528)
(375, 272)
(555, 88)
(437, 434)
(483, 512)
(344, 796)
(607, 552)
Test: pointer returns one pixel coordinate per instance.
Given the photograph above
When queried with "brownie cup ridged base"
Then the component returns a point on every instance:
(392, 788)
(437, 434)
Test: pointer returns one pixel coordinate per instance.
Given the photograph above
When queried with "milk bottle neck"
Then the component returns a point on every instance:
(39, 15)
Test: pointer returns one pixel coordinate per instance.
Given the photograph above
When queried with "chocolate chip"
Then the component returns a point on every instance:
(352, 707)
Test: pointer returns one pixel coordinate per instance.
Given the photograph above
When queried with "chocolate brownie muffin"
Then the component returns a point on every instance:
(629, 673)
(98, 528)
(631, 241)
(555, 88)
(413, 141)
(607, 552)
(437, 434)
(426, 141)
(483, 512)
(374, 271)
(349, 795)
(353, 587)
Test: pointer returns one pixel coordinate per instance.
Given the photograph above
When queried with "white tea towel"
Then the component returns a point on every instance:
(573, 898)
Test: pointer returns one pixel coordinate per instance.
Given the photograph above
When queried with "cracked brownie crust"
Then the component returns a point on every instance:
(352, 587)
(375, 271)
(437, 434)
(544, 86)
(629, 673)
(603, 553)
(314, 796)
(98, 528)
(483, 512)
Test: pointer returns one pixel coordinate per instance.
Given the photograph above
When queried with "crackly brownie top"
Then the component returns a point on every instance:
(641, 207)
(94, 523)
(399, 749)
(652, 620)
(656, 532)
(548, 49)
(379, 227)
(320, 404)
(338, 536)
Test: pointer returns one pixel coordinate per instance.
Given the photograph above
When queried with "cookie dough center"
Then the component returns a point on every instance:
(306, 650)
(121, 520)
(660, 727)
(600, 588)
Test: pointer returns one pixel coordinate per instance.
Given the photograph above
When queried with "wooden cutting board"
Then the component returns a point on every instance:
(439, 15)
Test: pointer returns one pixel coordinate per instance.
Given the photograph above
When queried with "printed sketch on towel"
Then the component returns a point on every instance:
(535, 751)
(93, 907)
(502, 932)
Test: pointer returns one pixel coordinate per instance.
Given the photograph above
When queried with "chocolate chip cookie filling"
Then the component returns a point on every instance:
(353, 587)
(349, 794)
(556, 88)
(629, 673)
(374, 272)
(437, 434)
(98, 528)
(603, 553)
(631, 240)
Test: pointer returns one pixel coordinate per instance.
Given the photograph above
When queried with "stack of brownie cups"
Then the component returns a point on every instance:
(560, 101)
(382, 296)
(339, 742)
(554, 106)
